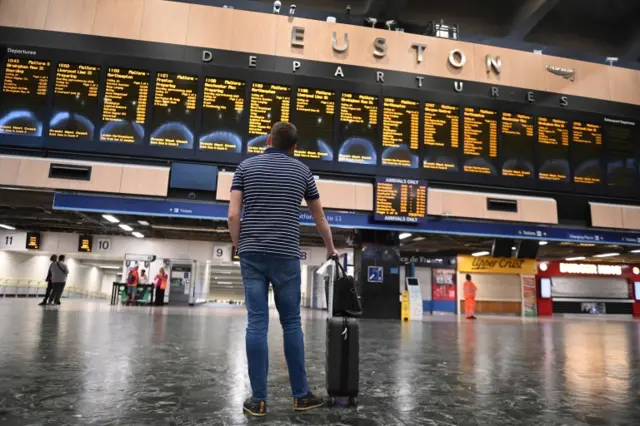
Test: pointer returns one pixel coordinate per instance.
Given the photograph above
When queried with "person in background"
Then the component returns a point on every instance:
(132, 284)
(144, 278)
(271, 187)
(161, 285)
(469, 289)
(59, 274)
(53, 260)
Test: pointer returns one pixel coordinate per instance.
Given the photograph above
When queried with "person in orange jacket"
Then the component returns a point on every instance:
(470, 289)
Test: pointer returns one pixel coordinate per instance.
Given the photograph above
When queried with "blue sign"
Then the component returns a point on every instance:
(348, 220)
(375, 274)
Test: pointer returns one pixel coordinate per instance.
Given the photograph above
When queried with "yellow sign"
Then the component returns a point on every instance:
(405, 308)
(497, 265)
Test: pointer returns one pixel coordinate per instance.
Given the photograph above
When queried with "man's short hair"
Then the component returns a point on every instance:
(284, 135)
(61, 258)
(468, 277)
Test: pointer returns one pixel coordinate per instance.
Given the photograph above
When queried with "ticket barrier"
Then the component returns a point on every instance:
(143, 296)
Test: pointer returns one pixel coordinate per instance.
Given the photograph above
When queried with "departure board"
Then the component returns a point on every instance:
(553, 149)
(620, 140)
(517, 148)
(223, 115)
(358, 128)
(400, 200)
(24, 93)
(401, 132)
(586, 149)
(441, 137)
(125, 105)
(174, 110)
(480, 141)
(270, 103)
(75, 101)
(315, 110)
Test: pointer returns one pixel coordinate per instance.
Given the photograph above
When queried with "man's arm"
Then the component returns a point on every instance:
(235, 212)
(315, 208)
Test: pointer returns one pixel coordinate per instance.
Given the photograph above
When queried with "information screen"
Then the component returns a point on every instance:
(358, 128)
(33, 241)
(125, 105)
(586, 149)
(400, 200)
(85, 243)
(518, 142)
(401, 133)
(480, 143)
(75, 101)
(222, 115)
(441, 137)
(174, 110)
(315, 110)
(270, 103)
(553, 149)
(620, 140)
(24, 93)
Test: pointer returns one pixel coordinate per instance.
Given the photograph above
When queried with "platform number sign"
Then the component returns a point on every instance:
(103, 245)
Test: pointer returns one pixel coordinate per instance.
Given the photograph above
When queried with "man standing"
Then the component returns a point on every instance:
(59, 274)
(470, 289)
(132, 284)
(271, 187)
(53, 260)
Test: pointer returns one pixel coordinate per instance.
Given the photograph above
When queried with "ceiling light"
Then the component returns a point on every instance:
(607, 255)
(543, 266)
(404, 235)
(634, 251)
(570, 259)
(137, 235)
(480, 253)
(10, 228)
(513, 248)
(192, 229)
(109, 267)
(636, 270)
(143, 222)
(543, 243)
(110, 218)
(126, 227)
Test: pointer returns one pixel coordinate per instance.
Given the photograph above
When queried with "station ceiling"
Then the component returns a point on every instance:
(32, 211)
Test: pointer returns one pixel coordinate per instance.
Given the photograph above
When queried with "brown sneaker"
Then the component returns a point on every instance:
(307, 402)
(255, 408)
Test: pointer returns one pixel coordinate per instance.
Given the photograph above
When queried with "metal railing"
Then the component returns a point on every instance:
(28, 287)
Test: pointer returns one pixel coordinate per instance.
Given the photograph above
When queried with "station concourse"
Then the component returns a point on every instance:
(478, 165)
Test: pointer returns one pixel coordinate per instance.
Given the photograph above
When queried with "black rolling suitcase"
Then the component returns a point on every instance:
(343, 339)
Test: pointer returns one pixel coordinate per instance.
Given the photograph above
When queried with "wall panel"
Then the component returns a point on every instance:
(9, 167)
(606, 215)
(23, 13)
(624, 85)
(590, 79)
(254, 32)
(165, 22)
(151, 181)
(312, 33)
(71, 16)
(118, 18)
(210, 27)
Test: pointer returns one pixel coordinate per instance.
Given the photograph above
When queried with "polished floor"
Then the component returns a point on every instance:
(87, 363)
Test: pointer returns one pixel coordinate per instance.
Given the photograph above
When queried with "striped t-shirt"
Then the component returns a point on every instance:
(273, 185)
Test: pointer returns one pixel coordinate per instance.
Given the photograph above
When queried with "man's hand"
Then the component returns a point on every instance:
(332, 252)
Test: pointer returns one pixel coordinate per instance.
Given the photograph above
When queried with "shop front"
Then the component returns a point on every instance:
(437, 278)
(588, 288)
(504, 285)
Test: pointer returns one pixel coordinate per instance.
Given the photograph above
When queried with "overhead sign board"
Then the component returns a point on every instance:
(85, 243)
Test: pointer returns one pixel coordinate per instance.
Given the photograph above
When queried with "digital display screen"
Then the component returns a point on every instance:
(24, 93)
(125, 105)
(441, 137)
(401, 133)
(545, 288)
(620, 140)
(553, 149)
(586, 149)
(222, 115)
(33, 241)
(85, 243)
(75, 101)
(270, 103)
(400, 200)
(174, 110)
(480, 142)
(518, 142)
(315, 110)
(358, 128)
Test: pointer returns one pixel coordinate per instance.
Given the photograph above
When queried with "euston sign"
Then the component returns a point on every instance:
(590, 269)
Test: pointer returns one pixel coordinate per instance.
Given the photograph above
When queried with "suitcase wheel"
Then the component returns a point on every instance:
(353, 401)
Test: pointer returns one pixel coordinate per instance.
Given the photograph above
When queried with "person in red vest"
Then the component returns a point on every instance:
(133, 278)
(470, 289)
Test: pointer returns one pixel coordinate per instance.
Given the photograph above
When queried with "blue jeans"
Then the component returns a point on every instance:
(258, 270)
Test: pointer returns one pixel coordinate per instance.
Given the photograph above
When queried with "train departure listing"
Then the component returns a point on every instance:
(441, 136)
(174, 110)
(622, 137)
(24, 92)
(400, 200)
(480, 143)
(401, 132)
(553, 149)
(586, 149)
(125, 105)
(75, 101)
(518, 143)
(315, 110)
(269, 104)
(358, 128)
(222, 115)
